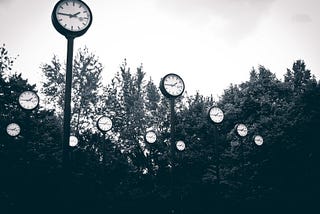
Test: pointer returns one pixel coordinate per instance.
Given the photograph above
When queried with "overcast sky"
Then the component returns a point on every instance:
(209, 43)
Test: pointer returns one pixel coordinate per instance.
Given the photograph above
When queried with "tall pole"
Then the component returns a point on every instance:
(67, 105)
(216, 154)
(172, 129)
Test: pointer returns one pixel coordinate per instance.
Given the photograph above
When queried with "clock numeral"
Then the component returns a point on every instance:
(73, 3)
(72, 27)
(61, 7)
(85, 11)
(84, 23)
(79, 28)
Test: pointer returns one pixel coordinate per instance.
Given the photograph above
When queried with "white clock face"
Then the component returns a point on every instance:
(242, 130)
(216, 115)
(28, 100)
(173, 85)
(73, 141)
(180, 145)
(73, 15)
(151, 137)
(104, 123)
(258, 140)
(13, 129)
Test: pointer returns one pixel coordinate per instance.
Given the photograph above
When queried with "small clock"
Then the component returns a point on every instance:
(13, 129)
(28, 100)
(216, 115)
(172, 85)
(258, 140)
(151, 137)
(71, 18)
(73, 141)
(242, 130)
(104, 124)
(180, 145)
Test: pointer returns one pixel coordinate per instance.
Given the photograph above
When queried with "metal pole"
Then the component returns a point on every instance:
(172, 150)
(67, 105)
(172, 129)
(216, 154)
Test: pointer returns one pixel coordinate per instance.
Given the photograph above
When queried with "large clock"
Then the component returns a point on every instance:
(13, 129)
(180, 145)
(242, 130)
(172, 85)
(258, 140)
(104, 124)
(216, 114)
(28, 100)
(151, 137)
(71, 18)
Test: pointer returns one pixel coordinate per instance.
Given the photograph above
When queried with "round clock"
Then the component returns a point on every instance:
(151, 137)
(73, 141)
(216, 115)
(242, 130)
(104, 123)
(258, 140)
(172, 86)
(28, 100)
(71, 18)
(13, 129)
(180, 145)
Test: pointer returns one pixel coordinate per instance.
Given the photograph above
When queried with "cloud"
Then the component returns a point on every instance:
(301, 18)
(236, 18)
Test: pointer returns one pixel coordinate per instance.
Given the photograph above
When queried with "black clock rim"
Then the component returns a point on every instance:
(210, 117)
(62, 30)
(163, 90)
(103, 131)
(27, 109)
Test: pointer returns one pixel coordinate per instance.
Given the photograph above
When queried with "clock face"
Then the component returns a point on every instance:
(13, 129)
(104, 123)
(151, 137)
(242, 130)
(28, 100)
(216, 114)
(72, 15)
(173, 85)
(73, 141)
(180, 145)
(258, 140)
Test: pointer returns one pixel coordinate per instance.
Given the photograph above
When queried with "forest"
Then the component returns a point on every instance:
(119, 172)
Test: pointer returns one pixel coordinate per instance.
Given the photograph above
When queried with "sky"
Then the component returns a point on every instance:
(209, 43)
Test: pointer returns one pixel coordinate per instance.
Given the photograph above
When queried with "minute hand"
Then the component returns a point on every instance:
(66, 14)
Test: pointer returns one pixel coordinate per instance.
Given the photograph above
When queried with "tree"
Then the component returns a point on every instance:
(86, 89)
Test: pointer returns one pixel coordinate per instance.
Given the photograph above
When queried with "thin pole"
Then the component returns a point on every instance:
(216, 154)
(172, 129)
(67, 105)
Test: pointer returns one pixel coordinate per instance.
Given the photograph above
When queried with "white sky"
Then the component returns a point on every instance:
(209, 43)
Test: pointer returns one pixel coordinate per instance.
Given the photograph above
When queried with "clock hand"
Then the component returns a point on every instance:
(75, 15)
(66, 14)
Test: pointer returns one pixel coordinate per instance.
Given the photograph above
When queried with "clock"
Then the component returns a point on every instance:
(151, 137)
(73, 141)
(180, 145)
(13, 129)
(71, 18)
(258, 140)
(104, 124)
(216, 115)
(172, 86)
(28, 100)
(242, 130)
